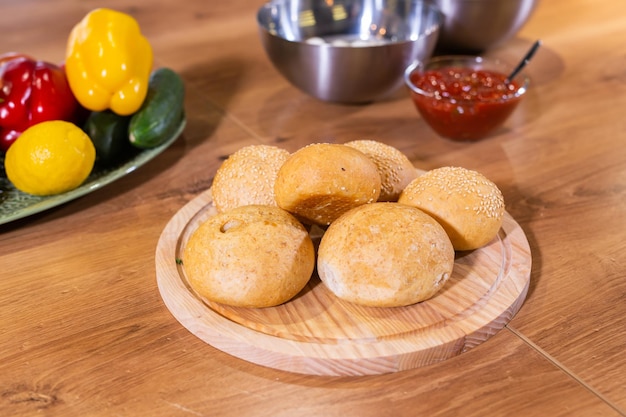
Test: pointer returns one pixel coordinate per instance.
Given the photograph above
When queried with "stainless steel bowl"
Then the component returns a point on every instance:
(477, 25)
(347, 51)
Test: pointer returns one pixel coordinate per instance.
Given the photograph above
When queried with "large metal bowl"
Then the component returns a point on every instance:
(477, 25)
(347, 51)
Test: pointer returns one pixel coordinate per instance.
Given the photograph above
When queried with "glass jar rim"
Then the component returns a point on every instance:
(447, 61)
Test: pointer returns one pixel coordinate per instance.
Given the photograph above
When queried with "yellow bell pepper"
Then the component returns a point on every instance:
(108, 62)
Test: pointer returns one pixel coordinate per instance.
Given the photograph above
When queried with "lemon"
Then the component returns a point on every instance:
(50, 158)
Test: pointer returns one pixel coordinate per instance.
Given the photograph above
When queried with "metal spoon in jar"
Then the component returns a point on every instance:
(524, 61)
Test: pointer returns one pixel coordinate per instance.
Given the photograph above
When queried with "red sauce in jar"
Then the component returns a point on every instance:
(462, 103)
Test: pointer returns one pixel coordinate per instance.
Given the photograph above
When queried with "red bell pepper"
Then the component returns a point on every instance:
(32, 92)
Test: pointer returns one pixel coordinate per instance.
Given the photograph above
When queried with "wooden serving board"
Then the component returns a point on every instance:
(319, 334)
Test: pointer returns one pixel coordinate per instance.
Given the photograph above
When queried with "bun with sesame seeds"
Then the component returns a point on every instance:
(321, 181)
(385, 255)
(249, 256)
(395, 169)
(469, 206)
(247, 177)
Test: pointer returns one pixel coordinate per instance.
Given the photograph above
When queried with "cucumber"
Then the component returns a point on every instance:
(161, 112)
(109, 133)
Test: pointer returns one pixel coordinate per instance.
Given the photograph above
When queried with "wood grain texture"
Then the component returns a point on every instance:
(84, 330)
(316, 333)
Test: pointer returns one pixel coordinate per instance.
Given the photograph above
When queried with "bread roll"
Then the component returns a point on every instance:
(395, 169)
(385, 255)
(320, 182)
(249, 256)
(247, 177)
(469, 206)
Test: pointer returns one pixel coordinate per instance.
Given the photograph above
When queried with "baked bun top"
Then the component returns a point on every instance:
(320, 182)
(247, 177)
(249, 256)
(385, 255)
(395, 169)
(469, 206)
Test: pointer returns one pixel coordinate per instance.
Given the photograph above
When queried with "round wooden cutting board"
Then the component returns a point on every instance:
(318, 334)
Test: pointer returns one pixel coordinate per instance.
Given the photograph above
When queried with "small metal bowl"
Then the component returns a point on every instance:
(347, 51)
(464, 97)
(473, 26)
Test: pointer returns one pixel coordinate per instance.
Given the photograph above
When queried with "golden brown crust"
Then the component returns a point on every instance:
(385, 255)
(469, 206)
(249, 256)
(247, 177)
(320, 182)
(395, 169)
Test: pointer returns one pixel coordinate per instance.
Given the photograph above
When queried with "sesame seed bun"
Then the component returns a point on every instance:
(385, 255)
(469, 206)
(395, 169)
(247, 177)
(249, 256)
(320, 182)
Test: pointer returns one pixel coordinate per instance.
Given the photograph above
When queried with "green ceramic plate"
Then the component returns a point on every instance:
(15, 204)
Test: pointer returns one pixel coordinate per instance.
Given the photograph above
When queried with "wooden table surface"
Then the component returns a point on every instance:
(84, 330)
